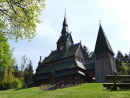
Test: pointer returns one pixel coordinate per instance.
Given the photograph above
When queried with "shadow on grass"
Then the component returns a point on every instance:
(116, 90)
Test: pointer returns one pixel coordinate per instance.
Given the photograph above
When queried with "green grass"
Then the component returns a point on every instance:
(88, 90)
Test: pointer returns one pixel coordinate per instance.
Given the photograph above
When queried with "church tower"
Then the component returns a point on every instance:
(104, 57)
(65, 40)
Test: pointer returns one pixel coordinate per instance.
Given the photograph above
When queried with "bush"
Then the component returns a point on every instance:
(16, 83)
(2, 86)
(9, 85)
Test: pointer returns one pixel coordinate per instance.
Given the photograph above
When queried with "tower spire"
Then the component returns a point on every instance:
(102, 43)
(65, 12)
(65, 30)
(99, 22)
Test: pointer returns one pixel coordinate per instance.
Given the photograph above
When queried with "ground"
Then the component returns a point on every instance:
(87, 90)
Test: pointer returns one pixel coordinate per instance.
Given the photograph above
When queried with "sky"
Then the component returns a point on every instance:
(83, 22)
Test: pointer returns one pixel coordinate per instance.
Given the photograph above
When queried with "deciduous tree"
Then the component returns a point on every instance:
(5, 57)
(18, 18)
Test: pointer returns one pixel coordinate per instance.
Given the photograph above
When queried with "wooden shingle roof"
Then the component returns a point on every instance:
(102, 43)
(55, 55)
(61, 66)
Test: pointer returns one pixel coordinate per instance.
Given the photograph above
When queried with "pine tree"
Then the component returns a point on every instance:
(122, 62)
(92, 56)
(119, 59)
(86, 52)
(28, 73)
(16, 71)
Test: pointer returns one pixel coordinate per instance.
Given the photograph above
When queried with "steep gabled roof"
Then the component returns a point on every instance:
(62, 66)
(58, 74)
(90, 65)
(102, 43)
(55, 55)
(64, 38)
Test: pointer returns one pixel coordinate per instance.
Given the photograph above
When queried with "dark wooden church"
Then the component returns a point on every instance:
(67, 63)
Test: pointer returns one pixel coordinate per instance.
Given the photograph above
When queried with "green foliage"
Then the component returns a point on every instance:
(123, 63)
(16, 83)
(16, 71)
(89, 56)
(25, 72)
(19, 17)
(28, 73)
(124, 68)
(86, 52)
(7, 79)
(5, 56)
(11, 84)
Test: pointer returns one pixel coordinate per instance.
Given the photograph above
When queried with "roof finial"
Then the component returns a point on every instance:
(80, 41)
(65, 12)
(99, 22)
(40, 58)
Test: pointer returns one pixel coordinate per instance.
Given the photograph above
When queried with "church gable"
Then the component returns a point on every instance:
(80, 53)
(56, 55)
(70, 40)
(62, 39)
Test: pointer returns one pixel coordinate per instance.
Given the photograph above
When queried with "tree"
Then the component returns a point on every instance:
(28, 73)
(18, 18)
(16, 71)
(124, 68)
(7, 62)
(88, 55)
(5, 57)
(86, 52)
(119, 59)
(92, 56)
(11, 68)
(4, 52)
(24, 60)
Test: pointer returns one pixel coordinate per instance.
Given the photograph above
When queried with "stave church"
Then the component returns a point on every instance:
(68, 63)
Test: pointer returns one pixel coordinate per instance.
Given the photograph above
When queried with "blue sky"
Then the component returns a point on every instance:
(83, 21)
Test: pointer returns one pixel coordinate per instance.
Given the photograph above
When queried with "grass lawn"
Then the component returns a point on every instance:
(88, 90)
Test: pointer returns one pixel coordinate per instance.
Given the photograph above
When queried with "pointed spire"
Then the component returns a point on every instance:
(65, 30)
(65, 21)
(99, 22)
(40, 61)
(102, 43)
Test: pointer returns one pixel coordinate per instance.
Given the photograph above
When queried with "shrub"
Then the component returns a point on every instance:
(9, 85)
(2, 86)
(16, 83)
